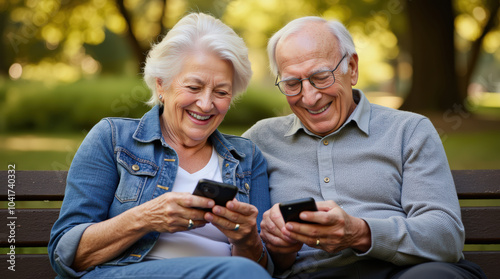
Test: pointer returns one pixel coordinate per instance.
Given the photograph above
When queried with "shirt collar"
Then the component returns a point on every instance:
(360, 116)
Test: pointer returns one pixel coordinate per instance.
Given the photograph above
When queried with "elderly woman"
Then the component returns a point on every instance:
(128, 209)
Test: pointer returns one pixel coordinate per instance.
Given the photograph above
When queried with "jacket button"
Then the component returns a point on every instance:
(327, 179)
(247, 186)
(135, 167)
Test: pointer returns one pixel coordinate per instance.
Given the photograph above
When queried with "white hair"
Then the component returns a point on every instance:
(346, 44)
(196, 32)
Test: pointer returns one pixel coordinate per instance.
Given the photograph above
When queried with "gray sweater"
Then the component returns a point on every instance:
(385, 166)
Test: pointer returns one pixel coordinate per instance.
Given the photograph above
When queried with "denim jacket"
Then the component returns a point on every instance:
(123, 163)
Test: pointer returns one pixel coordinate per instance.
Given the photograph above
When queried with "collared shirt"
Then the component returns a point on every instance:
(123, 163)
(385, 166)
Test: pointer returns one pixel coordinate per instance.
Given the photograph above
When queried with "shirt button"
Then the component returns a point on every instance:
(247, 186)
(327, 179)
(135, 167)
(325, 142)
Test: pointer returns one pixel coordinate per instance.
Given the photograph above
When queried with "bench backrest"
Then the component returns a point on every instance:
(33, 225)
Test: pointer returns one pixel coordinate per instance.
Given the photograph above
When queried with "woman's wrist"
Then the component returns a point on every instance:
(263, 254)
(256, 252)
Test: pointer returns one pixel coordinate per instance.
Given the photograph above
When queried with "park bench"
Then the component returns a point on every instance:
(33, 225)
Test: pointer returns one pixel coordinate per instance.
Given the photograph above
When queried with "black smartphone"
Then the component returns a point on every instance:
(291, 209)
(220, 192)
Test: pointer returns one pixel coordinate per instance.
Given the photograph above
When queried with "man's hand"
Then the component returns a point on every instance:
(272, 226)
(335, 229)
(282, 249)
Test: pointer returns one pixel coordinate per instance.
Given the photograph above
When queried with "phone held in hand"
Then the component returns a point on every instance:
(291, 209)
(220, 192)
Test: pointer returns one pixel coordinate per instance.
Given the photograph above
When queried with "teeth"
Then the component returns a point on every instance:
(197, 116)
(319, 111)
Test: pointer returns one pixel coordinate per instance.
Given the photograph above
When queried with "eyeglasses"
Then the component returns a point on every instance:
(320, 80)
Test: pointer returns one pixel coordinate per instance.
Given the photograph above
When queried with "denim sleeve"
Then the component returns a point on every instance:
(259, 194)
(90, 188)
(432, 228)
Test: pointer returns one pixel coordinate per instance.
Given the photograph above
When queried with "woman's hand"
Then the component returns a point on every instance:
(238, 222)
(236, 214)
(172, 212)
(169, 212)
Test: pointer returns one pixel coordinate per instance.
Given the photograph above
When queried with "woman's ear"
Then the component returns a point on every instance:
(159, 83)
(159, 88)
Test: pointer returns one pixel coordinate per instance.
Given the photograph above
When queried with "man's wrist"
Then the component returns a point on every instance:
(364, 239)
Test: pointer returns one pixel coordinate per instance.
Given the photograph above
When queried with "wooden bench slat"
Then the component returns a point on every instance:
(489, 261)
(27, 267)
(32, 226)
(477, 184)
(32, 185)
(36, 185)
(482, 225)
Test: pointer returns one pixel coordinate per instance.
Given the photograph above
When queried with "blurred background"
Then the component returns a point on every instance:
(65, 64)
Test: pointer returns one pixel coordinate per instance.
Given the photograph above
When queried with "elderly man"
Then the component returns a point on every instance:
(387, 206)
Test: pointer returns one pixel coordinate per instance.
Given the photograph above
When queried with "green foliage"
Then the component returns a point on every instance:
(473, 150)
(35, 106)
(78, 106)
(256, 104)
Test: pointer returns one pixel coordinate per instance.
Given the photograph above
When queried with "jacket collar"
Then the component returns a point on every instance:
(149, 128)
(360, 116)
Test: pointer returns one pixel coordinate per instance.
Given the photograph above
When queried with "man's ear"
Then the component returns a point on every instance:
(353, 66)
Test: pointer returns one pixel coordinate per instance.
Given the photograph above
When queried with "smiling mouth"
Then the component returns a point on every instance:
(199, 117)
(320, 110)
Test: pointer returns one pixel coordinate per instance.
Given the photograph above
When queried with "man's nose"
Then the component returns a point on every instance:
(310, 94)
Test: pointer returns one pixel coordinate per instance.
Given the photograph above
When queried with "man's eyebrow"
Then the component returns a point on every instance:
(321, 69)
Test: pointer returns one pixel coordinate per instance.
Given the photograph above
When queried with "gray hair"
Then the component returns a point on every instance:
(337, 29)
(196, 32)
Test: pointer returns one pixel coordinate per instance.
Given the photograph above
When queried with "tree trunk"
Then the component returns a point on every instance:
(475, 50)
(434, 81)
(139, 52)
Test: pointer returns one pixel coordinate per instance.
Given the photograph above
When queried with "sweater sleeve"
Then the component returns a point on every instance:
(432, 228)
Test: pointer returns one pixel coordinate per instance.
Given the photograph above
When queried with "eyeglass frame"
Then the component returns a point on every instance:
(276, 83)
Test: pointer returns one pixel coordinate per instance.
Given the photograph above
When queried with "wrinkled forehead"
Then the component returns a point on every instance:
(312, 41)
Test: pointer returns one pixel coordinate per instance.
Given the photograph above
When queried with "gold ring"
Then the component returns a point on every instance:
(237, 227)
(317, 242)
(191, 224)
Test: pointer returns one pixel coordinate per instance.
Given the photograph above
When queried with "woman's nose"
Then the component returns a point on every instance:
(205, 101)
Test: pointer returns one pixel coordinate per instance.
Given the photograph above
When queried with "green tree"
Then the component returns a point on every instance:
(437, 83)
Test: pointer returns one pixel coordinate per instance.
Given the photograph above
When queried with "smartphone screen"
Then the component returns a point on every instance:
(292, 209)
(220, 192)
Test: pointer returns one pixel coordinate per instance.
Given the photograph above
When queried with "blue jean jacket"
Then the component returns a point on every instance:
(123, 163)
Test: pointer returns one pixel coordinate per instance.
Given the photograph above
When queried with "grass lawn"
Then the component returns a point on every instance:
(478, 150)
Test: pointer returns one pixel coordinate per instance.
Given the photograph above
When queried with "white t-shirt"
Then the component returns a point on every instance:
(205, 241)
